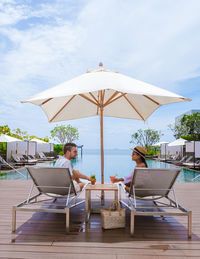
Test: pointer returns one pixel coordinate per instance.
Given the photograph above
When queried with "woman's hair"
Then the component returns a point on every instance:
(144, 161)
(142, 156)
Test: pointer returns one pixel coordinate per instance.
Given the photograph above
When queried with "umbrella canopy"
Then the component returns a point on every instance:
(105, 93)
(177, 142)
(38, 141)
(119, 95)
(6, 138)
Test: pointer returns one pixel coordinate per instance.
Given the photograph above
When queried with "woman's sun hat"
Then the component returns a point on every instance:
(140, 151)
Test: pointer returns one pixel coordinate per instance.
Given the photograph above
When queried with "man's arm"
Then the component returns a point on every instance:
(80, 175)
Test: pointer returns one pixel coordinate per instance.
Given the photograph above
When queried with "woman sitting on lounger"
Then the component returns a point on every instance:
(138, 155)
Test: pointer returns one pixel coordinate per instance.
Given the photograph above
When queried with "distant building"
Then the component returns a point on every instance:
(177, 119)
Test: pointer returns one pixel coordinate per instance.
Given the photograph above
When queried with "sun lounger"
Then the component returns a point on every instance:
(5, 165)
(174, 158)
(154, 186)
(45, 158)
(165, 158)
(183, 160)
(29, 159)
(37, 159)
(186, 161)
(20, 159)
(17, 160)
(195, 164)
(53, 185)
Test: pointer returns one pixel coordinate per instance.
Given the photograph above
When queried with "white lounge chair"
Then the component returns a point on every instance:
(151, 185)
(52, 183)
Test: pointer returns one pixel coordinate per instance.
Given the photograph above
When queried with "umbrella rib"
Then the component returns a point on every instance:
(111, 98)
(99, 104)
(62, 108)
(151, 99)
(133, 107)
(94, 98)
(46, 101)
(103, 94)
(88, 99)
(115, 99)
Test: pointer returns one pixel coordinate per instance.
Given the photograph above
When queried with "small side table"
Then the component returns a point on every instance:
(97, 187)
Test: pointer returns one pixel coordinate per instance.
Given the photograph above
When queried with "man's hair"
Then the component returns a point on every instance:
(68, 147)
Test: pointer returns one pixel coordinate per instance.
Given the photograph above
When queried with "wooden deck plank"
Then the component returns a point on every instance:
(39, 255)
(42, 235)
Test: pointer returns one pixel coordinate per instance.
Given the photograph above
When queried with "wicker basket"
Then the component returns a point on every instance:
(113, 219)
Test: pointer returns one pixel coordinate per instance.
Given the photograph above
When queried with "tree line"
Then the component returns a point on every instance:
(19, 134)
(188, 127)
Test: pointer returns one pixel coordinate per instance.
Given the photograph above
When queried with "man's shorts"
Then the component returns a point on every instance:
(77, 186)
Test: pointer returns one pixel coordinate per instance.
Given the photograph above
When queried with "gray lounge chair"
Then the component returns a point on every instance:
(45, 158)
(52, 183)
(193, 164)
(174, 158)
(29, 159)
(20, 159)
(151, 185)
(185, 159)
(6, 165)
(37, 159)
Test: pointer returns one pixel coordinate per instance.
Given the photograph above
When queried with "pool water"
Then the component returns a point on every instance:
(115, 162)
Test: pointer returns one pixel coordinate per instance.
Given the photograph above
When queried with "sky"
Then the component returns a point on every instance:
(44, 43)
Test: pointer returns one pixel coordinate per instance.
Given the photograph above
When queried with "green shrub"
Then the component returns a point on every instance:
(58, 148)
(152, 151)
(191, 138)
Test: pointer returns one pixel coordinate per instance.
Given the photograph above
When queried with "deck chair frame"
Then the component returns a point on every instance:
(166, 203)
(44, 157)
(67, 193)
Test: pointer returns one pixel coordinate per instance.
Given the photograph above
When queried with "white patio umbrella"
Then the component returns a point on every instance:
(177, 142)
(39, 141)
(6, 138)
(104, 93)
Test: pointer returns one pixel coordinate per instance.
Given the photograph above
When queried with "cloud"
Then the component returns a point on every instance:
(11, 13)
(45, 43)
(151, 41)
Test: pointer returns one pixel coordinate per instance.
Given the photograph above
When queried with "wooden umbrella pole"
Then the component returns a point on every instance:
(102, 150)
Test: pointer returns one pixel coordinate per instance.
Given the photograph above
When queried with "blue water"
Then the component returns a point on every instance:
(115, 162)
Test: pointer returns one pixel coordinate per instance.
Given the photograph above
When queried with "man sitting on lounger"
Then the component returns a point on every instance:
(70, 152)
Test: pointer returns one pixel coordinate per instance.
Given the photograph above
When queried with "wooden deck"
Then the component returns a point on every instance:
(42, 235)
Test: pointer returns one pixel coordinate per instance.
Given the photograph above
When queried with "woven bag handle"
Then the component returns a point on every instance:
(118, 207)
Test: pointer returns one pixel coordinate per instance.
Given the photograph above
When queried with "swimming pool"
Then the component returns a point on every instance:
(116, 162)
